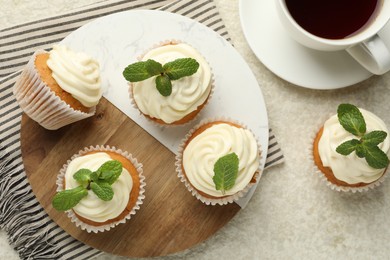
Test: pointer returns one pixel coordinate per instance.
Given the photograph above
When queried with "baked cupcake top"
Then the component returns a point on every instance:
(351, 168)
(92, 207)
(204, 150)
(99, 203)
(188, 93)
(77, 74)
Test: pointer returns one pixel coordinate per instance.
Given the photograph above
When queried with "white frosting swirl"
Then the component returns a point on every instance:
(187, 93)
(205, 149)
(77, 74)
(350, 169)
(91, 207)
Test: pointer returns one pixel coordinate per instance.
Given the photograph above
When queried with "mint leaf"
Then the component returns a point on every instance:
(98, 181)
(136, 72)
(82, 176)
(374, 137)
(375, 157)
(173, 70)
(67, 199)
(103, 190)
(111, 166)
(95, 176)
(351, 119)
(164, 85)
(360, 151)
(153, 67)
(106, 175)
(180, 68)
(348, 147)
(225, 172)
(110, 171)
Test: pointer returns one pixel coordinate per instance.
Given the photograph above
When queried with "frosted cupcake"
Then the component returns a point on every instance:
(219, 161)
(350, 150)
(100, 188)
(171, 84)
(59, 87)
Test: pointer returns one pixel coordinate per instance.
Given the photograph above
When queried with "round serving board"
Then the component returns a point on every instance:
(169, 220)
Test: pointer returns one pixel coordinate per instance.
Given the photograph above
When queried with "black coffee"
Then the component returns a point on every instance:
(333, 19)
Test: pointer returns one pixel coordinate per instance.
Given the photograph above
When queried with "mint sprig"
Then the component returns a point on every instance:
(352, 120)
(226, 172)
(173, 70)
(99, 182)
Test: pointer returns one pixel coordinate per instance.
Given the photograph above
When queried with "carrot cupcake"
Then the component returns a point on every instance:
(175, 86)
(350, 150)
(219, 161)
(59, 87)
(100, 187)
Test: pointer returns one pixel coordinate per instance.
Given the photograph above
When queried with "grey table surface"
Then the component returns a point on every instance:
(292, 215)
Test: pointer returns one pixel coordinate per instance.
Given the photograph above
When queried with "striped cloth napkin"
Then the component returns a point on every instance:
(31, 232)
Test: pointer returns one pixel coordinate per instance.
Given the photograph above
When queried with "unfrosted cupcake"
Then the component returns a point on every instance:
(212, 146)
(339, 152)
(188, 94)
(87, 171)
(59, 87)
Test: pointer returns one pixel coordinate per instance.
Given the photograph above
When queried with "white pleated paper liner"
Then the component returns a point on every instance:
(40, 103)
(207, 200)
(90, 228)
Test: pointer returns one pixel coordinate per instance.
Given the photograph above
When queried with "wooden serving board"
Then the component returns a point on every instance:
(170, 219)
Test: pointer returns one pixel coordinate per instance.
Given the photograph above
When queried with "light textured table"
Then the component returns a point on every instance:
(292, 215)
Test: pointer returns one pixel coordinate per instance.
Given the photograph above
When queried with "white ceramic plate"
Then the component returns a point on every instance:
(116, 40)
(291, 61)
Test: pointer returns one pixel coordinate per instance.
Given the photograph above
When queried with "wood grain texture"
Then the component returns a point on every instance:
(170, 219)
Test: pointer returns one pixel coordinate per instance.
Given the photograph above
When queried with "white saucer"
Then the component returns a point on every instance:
(291, 61)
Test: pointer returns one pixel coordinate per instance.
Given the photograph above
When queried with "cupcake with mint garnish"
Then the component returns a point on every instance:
(351, 149)
(59, 87)
(171, 83)
(100, 188)
(219, 161)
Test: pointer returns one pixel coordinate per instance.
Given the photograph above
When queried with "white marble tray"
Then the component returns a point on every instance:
(116, 41)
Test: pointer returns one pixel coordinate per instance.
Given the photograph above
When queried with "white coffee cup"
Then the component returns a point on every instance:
(366, 46)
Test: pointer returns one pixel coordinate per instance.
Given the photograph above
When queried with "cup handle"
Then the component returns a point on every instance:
(372, 54)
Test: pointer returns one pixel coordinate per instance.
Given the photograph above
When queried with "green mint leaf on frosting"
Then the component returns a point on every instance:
(360, 151)
(154, 67)
(225, 172)
(375, 157)
(82, 176)
(181, 68)
(103, 190)
(106, 175)
(110, 171)
(98, 181)
(164, 85)
(95, 176)
(374, 137)
(173, 70)
(67, 199)
(136, 72)
(352, 120)
(348, 147)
